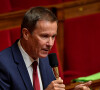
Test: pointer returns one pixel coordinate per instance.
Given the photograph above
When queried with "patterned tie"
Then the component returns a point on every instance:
(36, 83)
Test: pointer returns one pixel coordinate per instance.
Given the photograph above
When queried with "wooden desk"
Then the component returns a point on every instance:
(94, 86)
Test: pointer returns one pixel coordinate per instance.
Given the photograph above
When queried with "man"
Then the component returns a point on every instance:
(38, 32)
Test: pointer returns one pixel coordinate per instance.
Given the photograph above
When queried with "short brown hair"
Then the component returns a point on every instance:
(35, 14)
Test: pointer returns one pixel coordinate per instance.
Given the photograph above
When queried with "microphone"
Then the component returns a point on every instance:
(54, 64)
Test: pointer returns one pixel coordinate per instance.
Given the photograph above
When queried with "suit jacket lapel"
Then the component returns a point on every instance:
(46, 72)
(21, 66)
(43, 72)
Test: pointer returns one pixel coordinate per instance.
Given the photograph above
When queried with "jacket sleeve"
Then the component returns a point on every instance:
(4, 86)
(4, 78)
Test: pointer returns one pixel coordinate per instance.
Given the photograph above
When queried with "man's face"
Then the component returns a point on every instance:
(42, 39)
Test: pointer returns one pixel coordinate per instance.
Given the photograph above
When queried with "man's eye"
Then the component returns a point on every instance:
(53, 36)
(45, 36)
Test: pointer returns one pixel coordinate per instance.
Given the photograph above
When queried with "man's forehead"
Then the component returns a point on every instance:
(46, 26)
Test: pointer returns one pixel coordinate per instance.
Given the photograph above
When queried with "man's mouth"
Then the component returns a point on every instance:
(46, 49)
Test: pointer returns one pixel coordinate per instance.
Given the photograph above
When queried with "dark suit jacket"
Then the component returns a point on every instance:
(14, 74)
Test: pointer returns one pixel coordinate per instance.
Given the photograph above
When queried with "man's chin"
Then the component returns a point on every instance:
(43, 55)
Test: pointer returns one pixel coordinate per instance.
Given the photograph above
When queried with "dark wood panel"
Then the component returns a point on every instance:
(11, 20)
(81, 10)
(64, 10)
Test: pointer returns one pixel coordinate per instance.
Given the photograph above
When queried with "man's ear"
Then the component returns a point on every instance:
(25, 33)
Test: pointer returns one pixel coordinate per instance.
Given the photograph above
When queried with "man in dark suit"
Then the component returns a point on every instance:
(38, 32)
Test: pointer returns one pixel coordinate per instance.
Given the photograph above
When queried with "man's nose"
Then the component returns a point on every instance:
(50, 42)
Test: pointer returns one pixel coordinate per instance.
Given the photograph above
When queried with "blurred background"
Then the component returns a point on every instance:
(78, 41)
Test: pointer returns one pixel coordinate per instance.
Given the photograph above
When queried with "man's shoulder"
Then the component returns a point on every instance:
(8, 50)
(4, 54)
(5, 51)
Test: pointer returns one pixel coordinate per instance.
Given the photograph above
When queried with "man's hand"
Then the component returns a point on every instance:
(84, 86)
(56, 85)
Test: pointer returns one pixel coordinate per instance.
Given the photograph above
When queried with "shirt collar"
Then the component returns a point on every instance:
(27, 59)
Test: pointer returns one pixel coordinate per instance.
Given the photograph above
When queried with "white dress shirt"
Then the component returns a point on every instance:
(28, 62)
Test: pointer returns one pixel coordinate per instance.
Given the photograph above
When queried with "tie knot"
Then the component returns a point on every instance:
(35, 63)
